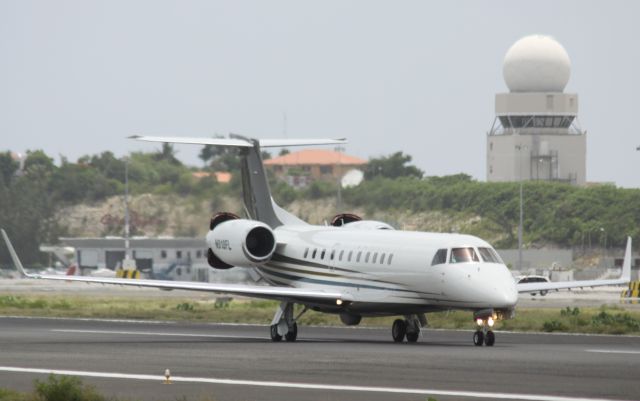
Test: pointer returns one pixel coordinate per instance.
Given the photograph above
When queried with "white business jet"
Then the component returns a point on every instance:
(353, 267)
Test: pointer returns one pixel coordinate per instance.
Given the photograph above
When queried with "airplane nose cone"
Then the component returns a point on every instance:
(510, 295)
(504, 294)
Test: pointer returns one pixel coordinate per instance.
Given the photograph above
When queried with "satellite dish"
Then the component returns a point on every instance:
(352, 178)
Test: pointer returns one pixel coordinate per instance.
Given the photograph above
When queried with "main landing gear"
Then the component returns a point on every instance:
(284, 323)
(484, 334)
(409, 328)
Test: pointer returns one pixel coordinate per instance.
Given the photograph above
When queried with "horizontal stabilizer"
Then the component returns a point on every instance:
(239, 142)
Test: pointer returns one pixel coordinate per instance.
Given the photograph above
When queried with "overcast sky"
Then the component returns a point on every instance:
(77, 77)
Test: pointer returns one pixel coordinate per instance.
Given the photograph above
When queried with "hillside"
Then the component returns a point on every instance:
(171, 215)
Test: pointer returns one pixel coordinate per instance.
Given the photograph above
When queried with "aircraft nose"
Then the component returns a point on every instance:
(503, 292)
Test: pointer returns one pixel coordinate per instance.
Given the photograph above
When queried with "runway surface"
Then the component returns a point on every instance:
(239, 362)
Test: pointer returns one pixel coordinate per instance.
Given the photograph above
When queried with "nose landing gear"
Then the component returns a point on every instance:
(484, 334)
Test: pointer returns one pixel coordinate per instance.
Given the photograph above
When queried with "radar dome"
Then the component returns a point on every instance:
(536, 63)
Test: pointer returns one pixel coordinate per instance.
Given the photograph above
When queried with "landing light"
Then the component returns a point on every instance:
(479, 322)
(338, 302)
(490, 322)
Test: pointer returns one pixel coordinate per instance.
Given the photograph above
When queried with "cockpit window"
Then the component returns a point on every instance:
(489, 255)
(463, 255)
(440, 257)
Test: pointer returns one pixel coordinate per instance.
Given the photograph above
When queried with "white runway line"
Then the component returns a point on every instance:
(303, 386)
(613, 351)
(151, 333)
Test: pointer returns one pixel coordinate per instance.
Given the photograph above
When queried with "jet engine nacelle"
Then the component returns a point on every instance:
(240, 242)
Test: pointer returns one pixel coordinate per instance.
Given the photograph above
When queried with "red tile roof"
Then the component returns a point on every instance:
(314, 157)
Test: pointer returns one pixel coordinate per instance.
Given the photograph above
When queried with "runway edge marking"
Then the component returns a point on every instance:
(303, 386)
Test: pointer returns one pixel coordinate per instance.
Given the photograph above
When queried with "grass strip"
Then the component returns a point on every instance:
(607, 319)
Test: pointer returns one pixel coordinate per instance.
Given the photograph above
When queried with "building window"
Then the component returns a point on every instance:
(326, 170)
(179, 254)
(163, 254)
(198, 254)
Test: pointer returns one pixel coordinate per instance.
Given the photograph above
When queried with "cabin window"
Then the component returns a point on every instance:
(390, 258)
(463, 255)
(322, 254)
(366, 257)
(350, 255)
(313, 255)
(341, 253)
(333, 253)
(358, 257)
(306, 252)
(375, 257)
(382, 258)
(440, 257)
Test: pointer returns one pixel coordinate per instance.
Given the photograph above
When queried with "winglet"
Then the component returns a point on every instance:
(626, 265)
(14, 256)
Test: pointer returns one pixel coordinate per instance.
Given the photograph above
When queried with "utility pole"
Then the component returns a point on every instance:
(339, 149)
(520, 225)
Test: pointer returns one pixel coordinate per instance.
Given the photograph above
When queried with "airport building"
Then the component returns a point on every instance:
(182, 259)
(301, 168)
(535, 134)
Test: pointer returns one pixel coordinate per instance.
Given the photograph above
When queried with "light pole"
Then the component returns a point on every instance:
(604, 247)
(520, 228)
(339, 149)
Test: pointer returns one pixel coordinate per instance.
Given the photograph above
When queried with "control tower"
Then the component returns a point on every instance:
(535, 134)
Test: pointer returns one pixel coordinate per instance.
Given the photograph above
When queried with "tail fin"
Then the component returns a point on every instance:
(255, 187)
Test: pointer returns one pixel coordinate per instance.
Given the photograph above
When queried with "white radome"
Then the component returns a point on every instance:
(536, 63)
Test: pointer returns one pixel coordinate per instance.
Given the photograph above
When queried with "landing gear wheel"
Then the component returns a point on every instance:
(413, 337)
(478, 338)
(292, 334)
(398, 330)
(275, 337)
(489, 339)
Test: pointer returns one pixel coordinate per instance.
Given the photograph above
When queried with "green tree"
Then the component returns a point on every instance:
(393, 166)
(8, 167)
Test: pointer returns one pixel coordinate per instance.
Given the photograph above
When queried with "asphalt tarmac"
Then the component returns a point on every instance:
(238, 362)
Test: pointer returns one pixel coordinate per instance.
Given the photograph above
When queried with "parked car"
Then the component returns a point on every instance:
(535, 279)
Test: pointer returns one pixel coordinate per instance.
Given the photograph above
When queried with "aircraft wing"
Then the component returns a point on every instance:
(624, 279)
(267, 292)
